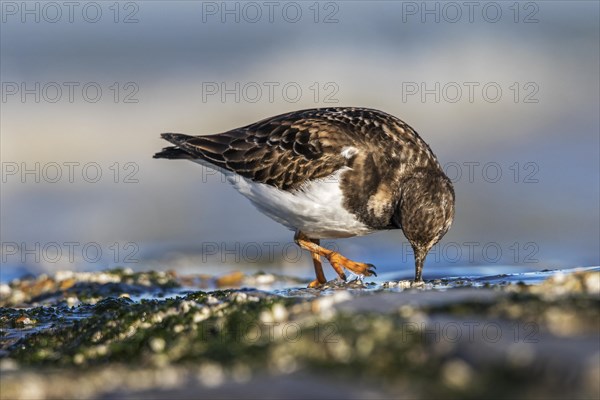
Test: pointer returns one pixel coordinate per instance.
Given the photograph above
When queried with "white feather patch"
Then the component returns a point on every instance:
(349, 152)
(316, 209)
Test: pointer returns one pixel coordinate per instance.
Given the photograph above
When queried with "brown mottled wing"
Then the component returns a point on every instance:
(284, 151)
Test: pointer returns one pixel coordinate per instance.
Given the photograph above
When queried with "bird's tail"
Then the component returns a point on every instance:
(174, 152)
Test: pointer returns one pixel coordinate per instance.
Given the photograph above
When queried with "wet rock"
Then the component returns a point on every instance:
(233, 279)
(84, 286)
(446, 338)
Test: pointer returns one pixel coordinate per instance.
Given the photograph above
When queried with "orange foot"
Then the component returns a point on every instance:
(315, 284)
(338, 262)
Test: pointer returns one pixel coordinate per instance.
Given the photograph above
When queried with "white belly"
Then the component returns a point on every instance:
(316, 209)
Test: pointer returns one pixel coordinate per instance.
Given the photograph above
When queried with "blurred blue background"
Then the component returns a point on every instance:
(525, 161)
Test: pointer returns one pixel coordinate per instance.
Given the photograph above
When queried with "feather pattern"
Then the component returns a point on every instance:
(376, 151)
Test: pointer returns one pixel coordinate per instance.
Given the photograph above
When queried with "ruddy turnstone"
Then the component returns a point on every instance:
(332, 173)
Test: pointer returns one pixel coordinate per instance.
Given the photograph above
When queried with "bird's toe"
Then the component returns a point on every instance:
(371, 270)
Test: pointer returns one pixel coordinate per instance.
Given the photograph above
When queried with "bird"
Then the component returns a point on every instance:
(332, 173)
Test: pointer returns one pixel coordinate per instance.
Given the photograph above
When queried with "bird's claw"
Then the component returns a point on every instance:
(371, 270)
(341, 263)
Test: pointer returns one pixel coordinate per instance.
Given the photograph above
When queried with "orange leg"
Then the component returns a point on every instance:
(318, 269)
(337, 261)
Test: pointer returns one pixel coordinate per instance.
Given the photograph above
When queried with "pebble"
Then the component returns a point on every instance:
(157, 345)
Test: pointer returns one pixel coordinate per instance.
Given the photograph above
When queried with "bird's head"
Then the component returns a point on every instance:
(425, 212)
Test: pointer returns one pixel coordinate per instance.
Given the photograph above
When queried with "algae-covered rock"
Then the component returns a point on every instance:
(442, 339)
